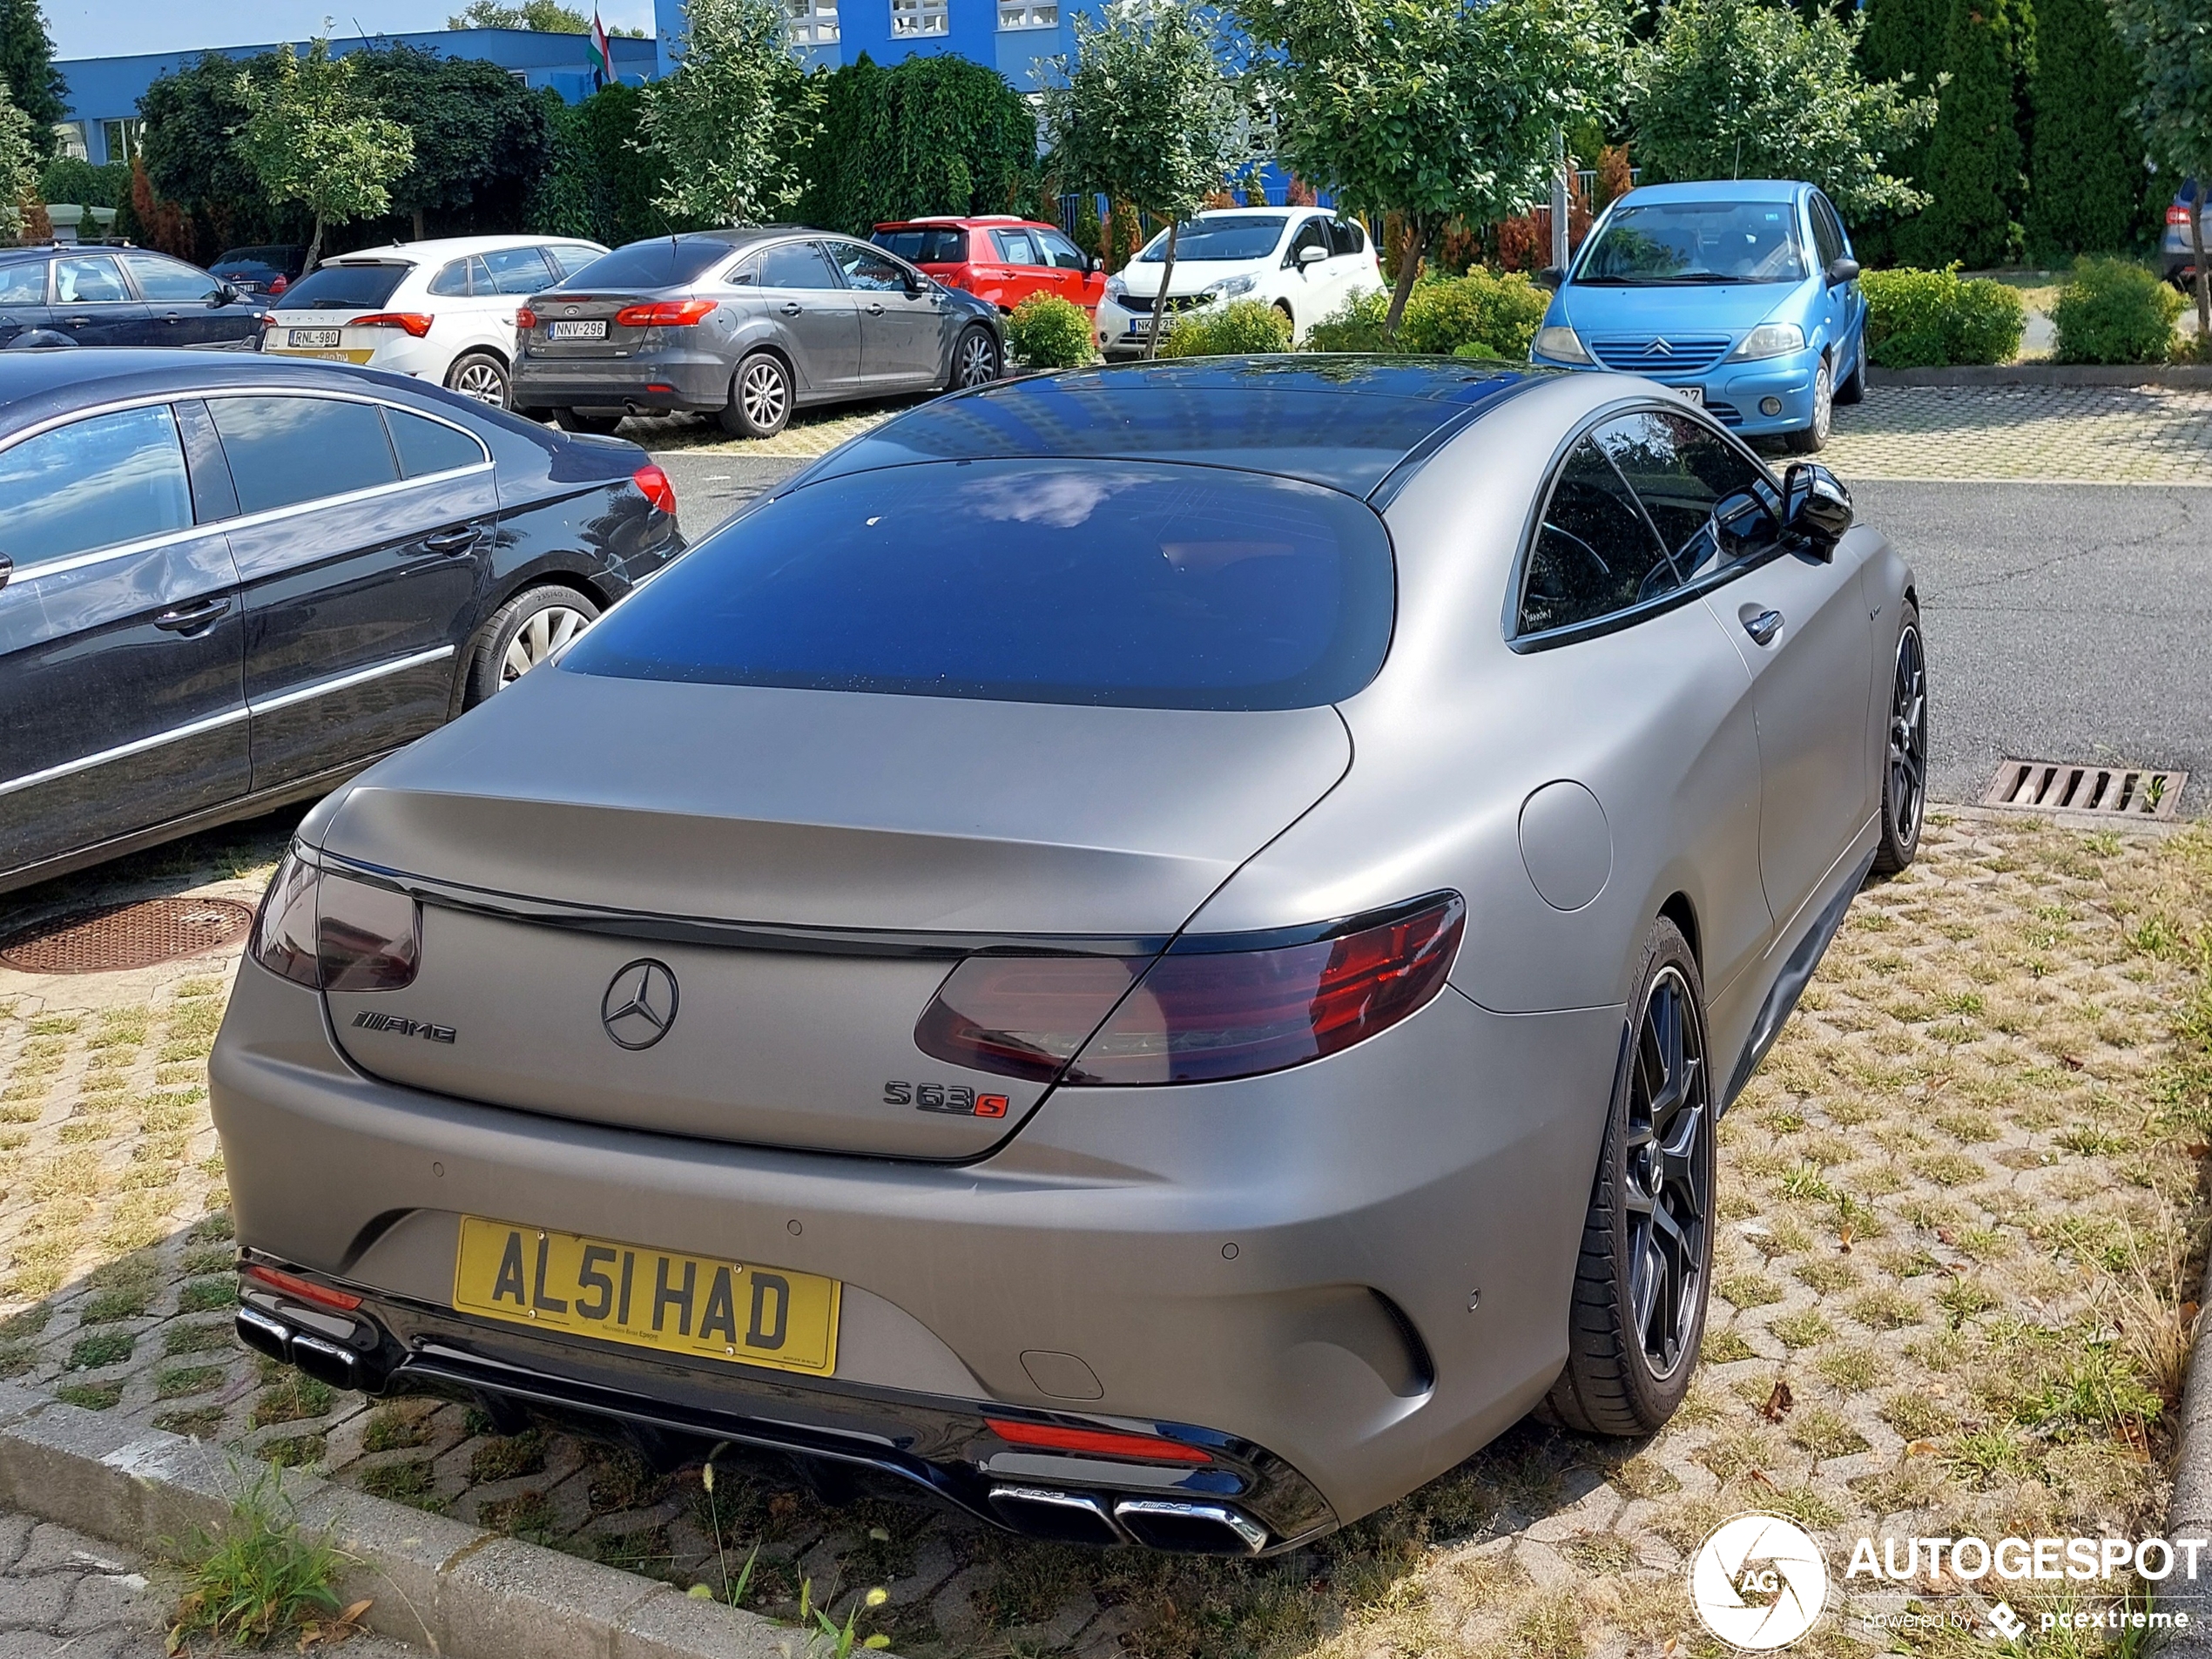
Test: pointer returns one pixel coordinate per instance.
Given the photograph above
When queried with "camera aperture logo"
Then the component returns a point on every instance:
(1759, 1582)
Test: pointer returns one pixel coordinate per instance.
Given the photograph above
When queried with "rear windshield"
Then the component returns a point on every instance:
(345, 287)
(1129, 583)
(926, 244)
(1668, 243)
(664, 262)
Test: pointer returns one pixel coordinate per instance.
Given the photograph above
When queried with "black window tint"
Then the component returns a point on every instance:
(288, 449)
(1345, 237)
(426, 446)
(1827, 235)
(795, 265)
(663, 262)
(23, 283)
(345, 287)
(93, 483)
(1593, 555)
(1711, 506)
(517, 270)
(1017, 248)
(453, 281)
(1314, 233)
(1133, 583)
(925, 244)
(88, 281)
(170, 280)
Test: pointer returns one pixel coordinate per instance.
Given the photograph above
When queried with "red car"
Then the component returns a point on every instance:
(998, 258)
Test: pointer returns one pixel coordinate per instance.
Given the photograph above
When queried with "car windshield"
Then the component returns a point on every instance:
(345, 287)
(925, 244)
(664, 262)
(1221, 237)
(1682, 242)
(1198, 587)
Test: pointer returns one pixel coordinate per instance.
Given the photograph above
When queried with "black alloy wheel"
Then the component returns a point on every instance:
(1904, 772)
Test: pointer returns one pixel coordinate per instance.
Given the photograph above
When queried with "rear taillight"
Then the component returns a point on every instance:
(667, 313)
(332, 932)
(305, 1289)
(416, 322)
(1200, 1012)
(2176, 214)
(278, 286)
(525, 318)
(1097, 1442)
(654, 482)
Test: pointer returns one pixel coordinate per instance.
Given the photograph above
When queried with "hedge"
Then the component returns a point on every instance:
(1444, 316)
(2114, 311)
(1238, 329)
(1049, 331)
(1931, 320)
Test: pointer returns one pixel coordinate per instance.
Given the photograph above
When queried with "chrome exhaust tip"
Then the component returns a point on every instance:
(1060, 1517)
(1190, 1528)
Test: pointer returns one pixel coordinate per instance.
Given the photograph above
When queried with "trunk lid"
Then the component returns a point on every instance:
(866, 840)
(582, 311)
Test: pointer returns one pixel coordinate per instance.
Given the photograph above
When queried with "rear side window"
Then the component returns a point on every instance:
(1346, 237)
(795, 265)
(517, 270)
(1126, 583)
(23, 283)
(925, 244)
(285, 450)
(93, 483)
(425, 446)
(453, 280)
(1595, 555)
(83, 282)
(661, 263)
(345, 287)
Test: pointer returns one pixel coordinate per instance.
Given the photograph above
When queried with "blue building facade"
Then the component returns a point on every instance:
(103, 93)
(1016, 37)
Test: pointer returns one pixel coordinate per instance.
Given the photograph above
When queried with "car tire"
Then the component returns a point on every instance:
(520, 634)
(1646, 1260)
(1853, 390)
(1811, 440)
(977, 361)
(760, 398)
(480, 375)
(577, 421)
(1905, 750)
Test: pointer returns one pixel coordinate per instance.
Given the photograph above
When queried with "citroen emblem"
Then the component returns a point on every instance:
(640, 1003)
(1661, 347)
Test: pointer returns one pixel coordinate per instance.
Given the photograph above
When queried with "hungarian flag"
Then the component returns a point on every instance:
(603, 54)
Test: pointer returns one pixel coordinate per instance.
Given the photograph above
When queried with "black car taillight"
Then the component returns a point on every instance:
(1200, 1012)
(330, 931)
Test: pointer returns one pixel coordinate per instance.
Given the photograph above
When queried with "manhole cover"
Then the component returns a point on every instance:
(2073, 786)
(121, 937)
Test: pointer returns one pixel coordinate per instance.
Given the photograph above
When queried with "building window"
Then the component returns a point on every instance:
(1014, 16)
(814, 22)
(69, 140)
(913, 17)
(121, 138)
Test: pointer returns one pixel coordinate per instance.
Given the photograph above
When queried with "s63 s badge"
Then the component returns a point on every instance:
(396, 1026)
(956, 1100)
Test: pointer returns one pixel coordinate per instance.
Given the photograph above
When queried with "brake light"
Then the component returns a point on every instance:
(668, 314)
(1023, 1016)
(2176, 213)
(331, 932)
(306, 1290)
(415, 322)
(1051, 1437)
(280, 285)
(525, 318)
(654, 482)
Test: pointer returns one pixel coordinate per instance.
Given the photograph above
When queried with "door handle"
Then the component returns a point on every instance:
(792, 307)
(191, 619)
(1763, 627)
(876, 310)
(458, 541)
(77, 322)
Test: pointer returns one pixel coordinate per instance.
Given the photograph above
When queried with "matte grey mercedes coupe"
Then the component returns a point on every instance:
(1154, 952)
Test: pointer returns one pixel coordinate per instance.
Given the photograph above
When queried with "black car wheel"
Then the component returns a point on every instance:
(1640, 1283)
(1905, 768)
(760, 398)
(480, 375)
(522, 633)
(577, 421)
(976, 358)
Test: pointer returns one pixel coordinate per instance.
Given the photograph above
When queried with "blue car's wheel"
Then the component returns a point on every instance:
(1854, 385)
(1813, 436)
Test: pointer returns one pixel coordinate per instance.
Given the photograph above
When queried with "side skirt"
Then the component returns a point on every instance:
(1797, 973)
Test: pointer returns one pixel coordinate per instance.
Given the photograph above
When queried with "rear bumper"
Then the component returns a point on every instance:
(695, 381)
(1345, 1278)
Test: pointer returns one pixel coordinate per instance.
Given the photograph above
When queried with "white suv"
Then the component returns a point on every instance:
(440, 311)
(1305, 261)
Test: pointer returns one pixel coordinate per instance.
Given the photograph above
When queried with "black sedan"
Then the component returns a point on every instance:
(229, 583)
(121, 296)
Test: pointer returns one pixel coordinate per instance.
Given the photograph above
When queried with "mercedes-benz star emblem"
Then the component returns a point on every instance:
(640, 1003)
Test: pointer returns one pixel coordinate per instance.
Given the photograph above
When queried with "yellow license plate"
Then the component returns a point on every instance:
(692, 1306)
(354, 355)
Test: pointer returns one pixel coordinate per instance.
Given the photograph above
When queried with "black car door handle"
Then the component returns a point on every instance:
(1763, 627)
(451, 540)
(791, 308)
(190, 619)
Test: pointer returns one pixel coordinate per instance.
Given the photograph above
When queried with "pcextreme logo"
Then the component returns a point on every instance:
(1759, 1582)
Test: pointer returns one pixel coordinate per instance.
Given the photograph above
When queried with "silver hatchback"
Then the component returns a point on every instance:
(747, 326)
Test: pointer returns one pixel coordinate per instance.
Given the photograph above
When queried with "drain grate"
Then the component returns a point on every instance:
(2072, 786)
(116, 937)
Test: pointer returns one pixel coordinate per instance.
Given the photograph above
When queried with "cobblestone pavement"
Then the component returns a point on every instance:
(810, 432)
(1958, 1207)
(2095, 434)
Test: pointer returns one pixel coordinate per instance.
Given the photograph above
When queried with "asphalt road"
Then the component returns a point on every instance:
(2064, 621)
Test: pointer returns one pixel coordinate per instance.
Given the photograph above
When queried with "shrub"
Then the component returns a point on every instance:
(1931, 320)
(1048, 332)
(67, 179)
(2114, 311)
(1478, 309)
(1356, 325)
(1238, 329)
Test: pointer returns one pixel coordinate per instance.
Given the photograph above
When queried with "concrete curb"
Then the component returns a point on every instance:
(2196, 376)
(454, 1589)
(2189, 1514)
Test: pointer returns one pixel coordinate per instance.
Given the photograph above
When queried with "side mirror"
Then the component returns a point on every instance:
(1551, 277)
(1312, 255)
(1093, 266)
(1816, 508)
(1842, 271)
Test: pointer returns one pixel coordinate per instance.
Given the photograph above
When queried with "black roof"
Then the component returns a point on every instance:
(1347, 421)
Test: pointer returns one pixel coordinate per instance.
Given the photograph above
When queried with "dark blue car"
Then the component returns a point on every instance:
(120, 296)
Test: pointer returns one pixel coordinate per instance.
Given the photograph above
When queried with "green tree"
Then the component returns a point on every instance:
(547, 16)
(192, 120)
(731, 127)
(1434, 110)
(482, 138)
(2172, 41)
(1144, 112)
(935, 133)
(311, 137)
(2086, 171)
(18, 164)
(1902, 42)
(1734, 88)
(33, 86)
(601, 183)
(1975, 173)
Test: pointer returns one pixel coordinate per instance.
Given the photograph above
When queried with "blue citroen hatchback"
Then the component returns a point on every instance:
(1742, 295)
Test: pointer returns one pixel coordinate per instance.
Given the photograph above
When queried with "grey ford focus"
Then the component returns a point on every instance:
(1154, 952)
(747, 326)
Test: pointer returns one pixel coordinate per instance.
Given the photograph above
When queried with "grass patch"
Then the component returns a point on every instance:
(1805, 1330)
(105, 1348)
(295, 1452)
(1748, 1290)
(293, 1396)
(211, 1258)
(93, 1397)
(409, 1482)
(179, 1339)
(202, 1423)
(506, 1460)
(105, 1307)
(205, 1295)
(393, 1428)
(212, 1229)
(263, 1577)
(177, 1381)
